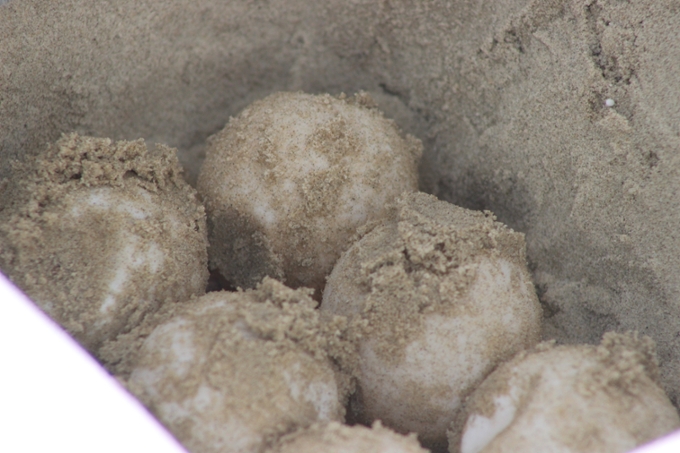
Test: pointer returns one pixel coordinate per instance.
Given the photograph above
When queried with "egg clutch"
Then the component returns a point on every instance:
(368, 316)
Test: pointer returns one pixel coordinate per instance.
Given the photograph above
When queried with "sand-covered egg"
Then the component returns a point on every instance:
(441, 295)
(233, 371)
(101, 233)
(287, 182)
(570, 399)
(337, 438)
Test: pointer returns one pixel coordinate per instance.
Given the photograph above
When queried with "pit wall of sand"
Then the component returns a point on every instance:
(507, 95)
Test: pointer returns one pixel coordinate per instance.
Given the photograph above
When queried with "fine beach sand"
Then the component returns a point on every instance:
(509, 98)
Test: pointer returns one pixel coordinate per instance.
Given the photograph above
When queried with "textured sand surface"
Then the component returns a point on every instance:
(508, 97)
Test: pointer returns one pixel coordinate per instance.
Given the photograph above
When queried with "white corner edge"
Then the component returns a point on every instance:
(55, 397)
(667, 444)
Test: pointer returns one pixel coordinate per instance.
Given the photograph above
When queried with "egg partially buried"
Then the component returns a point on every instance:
(337, 438)
(442, 295)
(100, 233)
(571, 399)
(231, 372)
(287, 182)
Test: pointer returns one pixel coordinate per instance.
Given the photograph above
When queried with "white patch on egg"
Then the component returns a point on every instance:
(480, 431)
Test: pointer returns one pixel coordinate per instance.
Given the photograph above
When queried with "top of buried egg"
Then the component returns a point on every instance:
(336, 438)
(101, 233)
(289, 180)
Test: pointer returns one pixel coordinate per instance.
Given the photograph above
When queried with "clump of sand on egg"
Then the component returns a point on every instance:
(289, 180)
(234, 371)
(441, 295)
(572, 399)
(338, 438)
(100, 234)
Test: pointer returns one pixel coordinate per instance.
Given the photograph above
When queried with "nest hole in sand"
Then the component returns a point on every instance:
(509, 98)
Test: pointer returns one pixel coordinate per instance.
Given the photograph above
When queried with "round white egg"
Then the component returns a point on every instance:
(100, 234)
(441, 296)
(571, 399)
(338, 438)
(134, 251)
(289, 180)
(231, 372)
